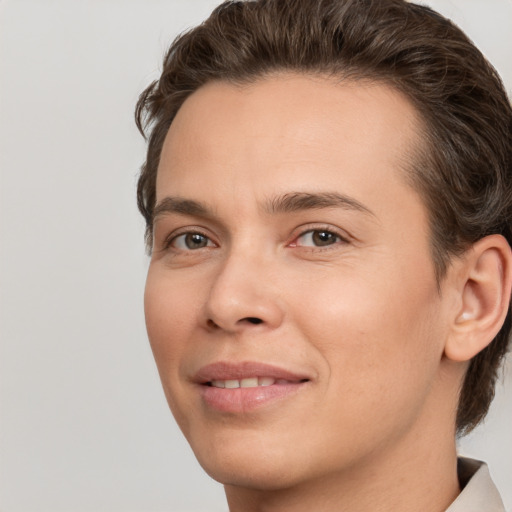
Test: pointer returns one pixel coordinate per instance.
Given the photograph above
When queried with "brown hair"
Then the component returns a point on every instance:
(465, 174)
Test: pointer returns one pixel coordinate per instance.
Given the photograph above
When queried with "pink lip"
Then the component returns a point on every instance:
(227, 371)
(240, 400)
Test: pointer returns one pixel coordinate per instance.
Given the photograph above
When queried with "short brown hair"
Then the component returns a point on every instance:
(465, 174)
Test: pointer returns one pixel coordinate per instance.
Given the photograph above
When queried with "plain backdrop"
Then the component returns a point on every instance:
(84, 426)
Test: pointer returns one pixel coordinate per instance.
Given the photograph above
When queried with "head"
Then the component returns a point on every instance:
(459, 162)
(463, 172)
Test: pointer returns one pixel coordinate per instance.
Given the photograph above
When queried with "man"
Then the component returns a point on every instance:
(328, 198)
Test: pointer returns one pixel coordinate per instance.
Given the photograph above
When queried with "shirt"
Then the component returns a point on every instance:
(479, 494)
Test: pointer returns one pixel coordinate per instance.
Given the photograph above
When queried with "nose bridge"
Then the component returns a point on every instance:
(243, 293)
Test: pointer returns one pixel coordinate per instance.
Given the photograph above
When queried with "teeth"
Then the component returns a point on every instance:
(251, 382)
(266, 381)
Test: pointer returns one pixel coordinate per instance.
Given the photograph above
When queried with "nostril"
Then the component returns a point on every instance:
(211, 324)
(254, 320)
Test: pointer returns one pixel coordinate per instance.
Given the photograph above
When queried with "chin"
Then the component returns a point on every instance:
(248, 462)
(251, 474)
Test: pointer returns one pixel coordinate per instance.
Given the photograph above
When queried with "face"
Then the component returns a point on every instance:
(291, 301)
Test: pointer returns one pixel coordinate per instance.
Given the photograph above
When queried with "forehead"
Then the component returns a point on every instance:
(288, 129)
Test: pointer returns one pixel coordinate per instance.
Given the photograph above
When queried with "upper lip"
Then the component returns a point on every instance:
(224, 370)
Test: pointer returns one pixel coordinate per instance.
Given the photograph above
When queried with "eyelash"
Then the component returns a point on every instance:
(170, 240)
(338, 239)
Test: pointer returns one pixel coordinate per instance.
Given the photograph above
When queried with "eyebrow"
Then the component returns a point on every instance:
(297, 201)
(286, 203)
(181, 206)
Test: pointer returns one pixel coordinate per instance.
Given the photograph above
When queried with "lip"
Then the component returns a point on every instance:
(243, 400)
(223, 370)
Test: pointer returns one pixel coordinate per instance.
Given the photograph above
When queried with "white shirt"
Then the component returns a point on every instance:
(479, 494)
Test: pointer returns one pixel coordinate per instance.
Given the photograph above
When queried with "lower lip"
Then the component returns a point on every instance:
(240, 400)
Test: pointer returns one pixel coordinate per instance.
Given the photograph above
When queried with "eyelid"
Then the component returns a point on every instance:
(182, 246)
(343, 236)
(187, 230)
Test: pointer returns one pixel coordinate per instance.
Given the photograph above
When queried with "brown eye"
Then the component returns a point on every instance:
(318, 238)
(324, 238)
(191, 241)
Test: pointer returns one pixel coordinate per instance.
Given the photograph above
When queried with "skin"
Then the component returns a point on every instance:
(362, 316)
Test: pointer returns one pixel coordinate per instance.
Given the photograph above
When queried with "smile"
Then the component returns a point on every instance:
(246, 387)
(251, 382)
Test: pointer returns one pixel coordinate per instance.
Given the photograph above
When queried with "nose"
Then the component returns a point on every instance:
(244, 295)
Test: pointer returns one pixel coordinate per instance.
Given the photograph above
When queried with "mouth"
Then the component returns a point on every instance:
(245, 387)
(250, 382)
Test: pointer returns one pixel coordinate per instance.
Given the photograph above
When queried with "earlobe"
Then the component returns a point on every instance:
(484, 298)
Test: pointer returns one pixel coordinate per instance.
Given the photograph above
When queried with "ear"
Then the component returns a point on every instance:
(484, 288)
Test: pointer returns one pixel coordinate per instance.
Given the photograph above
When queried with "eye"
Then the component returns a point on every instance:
(191, 241)
(318, 238)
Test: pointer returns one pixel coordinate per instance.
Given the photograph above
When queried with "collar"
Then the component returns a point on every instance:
(478, 490)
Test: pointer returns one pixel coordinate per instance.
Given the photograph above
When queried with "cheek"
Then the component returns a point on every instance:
(170, 309)
(379, 337)
(378, 348)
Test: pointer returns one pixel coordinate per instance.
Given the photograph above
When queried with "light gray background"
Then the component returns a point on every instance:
(83, 423)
